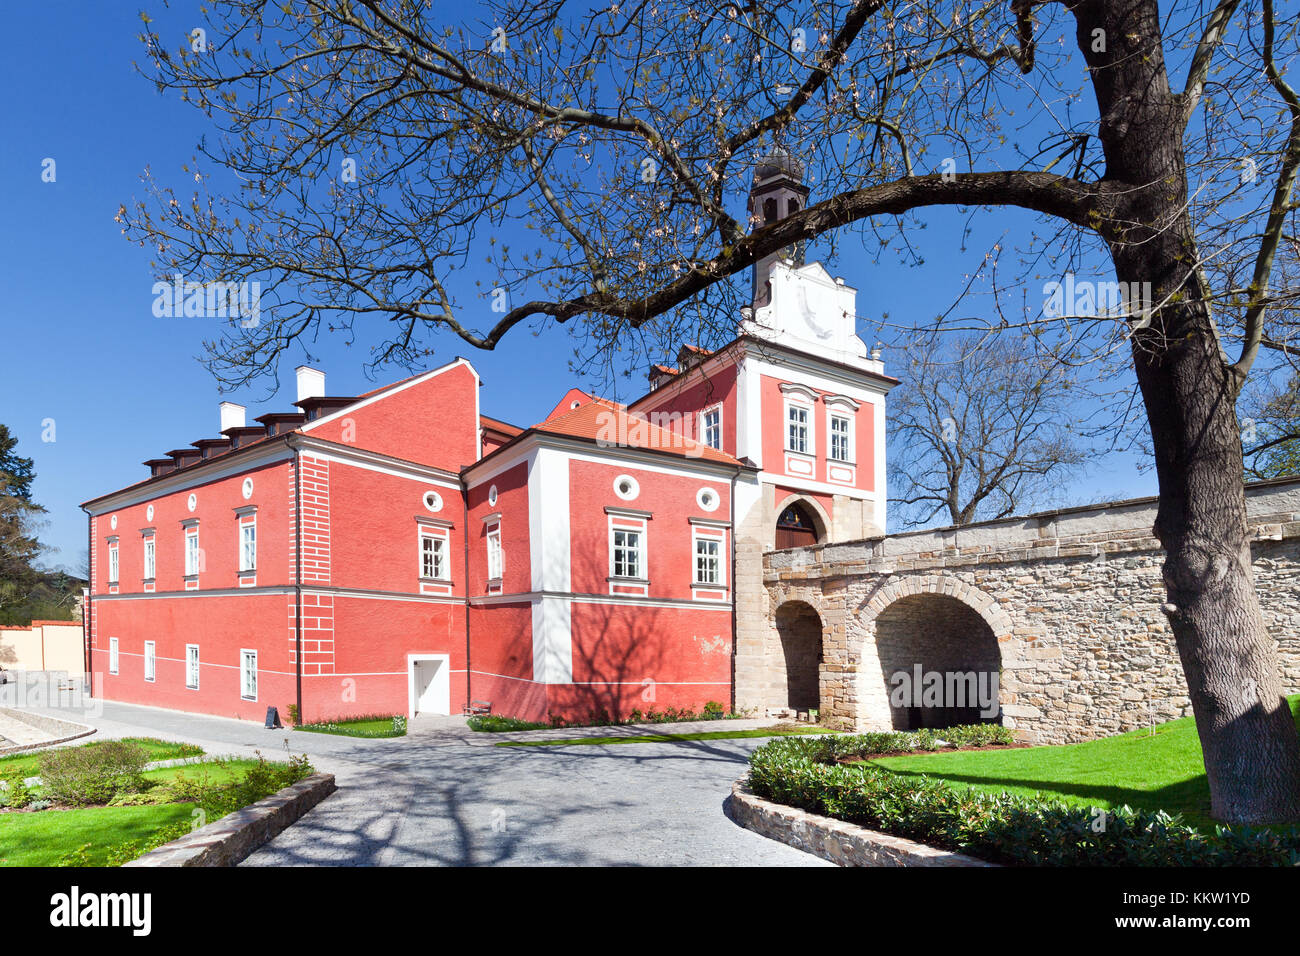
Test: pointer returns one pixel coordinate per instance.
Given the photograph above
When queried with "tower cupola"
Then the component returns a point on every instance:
(778, 191)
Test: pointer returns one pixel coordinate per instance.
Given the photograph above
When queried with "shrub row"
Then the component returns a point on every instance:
(998, 827)
(829, 748)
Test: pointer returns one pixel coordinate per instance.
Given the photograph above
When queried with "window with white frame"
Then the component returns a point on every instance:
(150, 660)
(841, 438)
(248, 674)
(148, 558)
(112, 655)
(627, 553)
(711, 427)
(797, 429)
(708, 561)
(112, 563)
(495, 559)
(192, 666)
(192, 561)
(433, 556)
(248, 545)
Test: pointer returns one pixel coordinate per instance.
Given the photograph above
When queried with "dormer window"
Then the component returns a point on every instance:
(711, 427)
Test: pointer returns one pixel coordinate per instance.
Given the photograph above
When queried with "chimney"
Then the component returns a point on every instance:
(311, 382)
(232, 416)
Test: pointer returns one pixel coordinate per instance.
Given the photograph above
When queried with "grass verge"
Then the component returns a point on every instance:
(374, 727)
(669, 738)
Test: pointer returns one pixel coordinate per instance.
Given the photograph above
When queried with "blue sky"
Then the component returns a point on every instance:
(81, 347)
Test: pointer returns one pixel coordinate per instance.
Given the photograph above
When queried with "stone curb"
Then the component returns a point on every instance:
(67, 729)
(844, 844)
(229, 840)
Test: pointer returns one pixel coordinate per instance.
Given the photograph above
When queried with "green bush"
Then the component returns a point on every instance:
(15, 794)
(260, 781)
(999, 827)
(84, 776)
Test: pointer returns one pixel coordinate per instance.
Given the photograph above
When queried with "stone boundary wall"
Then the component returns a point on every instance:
(1073, 598)
(844, 844)
(227, 841)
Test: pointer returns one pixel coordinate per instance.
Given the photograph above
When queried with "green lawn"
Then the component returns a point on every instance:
(669, 738)
(24, 765)
(40, 839)
(379, 726)
(495, 724)
(216, 772)
(1164, 771)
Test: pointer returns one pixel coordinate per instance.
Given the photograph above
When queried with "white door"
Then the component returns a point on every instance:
(432, 687)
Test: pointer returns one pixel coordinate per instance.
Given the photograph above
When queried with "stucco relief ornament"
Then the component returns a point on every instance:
(811, 304)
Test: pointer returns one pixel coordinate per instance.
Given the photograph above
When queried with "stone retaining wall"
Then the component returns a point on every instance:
(232, 838)
(1072, 598)
(842, 843)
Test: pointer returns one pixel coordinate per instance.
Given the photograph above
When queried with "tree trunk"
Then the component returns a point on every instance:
(1252, 751)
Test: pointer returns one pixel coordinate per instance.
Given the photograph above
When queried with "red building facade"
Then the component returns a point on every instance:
(400, 552)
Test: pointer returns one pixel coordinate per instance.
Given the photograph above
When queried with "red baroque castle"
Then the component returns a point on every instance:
(401, 552)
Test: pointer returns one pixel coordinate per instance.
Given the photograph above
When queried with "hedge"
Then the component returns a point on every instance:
(998, 827)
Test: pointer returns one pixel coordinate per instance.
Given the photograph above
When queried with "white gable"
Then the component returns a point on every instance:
(812, 312)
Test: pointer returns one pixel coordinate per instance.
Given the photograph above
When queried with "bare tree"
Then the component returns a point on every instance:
(981, 429)
(369, 147)
(1271, 429)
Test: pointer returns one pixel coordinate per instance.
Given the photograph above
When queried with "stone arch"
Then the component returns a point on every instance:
(821, 520)
(795, 657)
(940, 625)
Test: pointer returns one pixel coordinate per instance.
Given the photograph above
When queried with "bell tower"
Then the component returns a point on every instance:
(778, 191)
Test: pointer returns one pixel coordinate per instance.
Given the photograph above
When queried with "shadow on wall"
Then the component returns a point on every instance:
(942, 635)
(798, 657)
(642, 658)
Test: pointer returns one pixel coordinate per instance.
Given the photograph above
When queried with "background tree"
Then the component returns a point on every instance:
(1271, 432)
(368, 148)
(981, 429)
(19, 547)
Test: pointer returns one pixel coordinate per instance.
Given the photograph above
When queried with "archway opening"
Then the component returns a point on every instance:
(799, 630)
(940, 663)
(796, 526)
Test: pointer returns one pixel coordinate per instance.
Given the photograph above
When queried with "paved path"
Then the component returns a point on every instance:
(442, 796)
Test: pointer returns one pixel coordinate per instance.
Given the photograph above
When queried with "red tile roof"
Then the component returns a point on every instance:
(610, 423)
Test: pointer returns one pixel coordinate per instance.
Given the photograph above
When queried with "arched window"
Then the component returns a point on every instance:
(795, 528)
